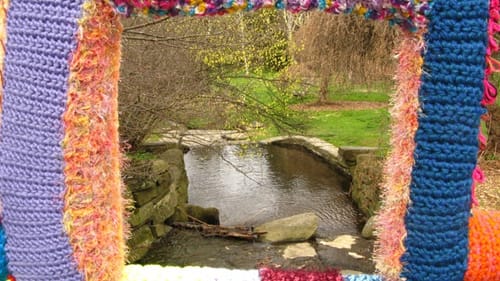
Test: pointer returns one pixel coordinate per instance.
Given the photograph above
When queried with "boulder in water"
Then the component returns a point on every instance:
(296, 228)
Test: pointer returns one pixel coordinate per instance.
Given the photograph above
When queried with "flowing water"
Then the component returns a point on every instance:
(255, 184)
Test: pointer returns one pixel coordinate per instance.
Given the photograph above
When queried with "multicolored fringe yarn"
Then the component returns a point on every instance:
(271, 274)
(409, 14)
(446, 141)
(93, 211)
(41, 38)
(484, 246)
(390, 224)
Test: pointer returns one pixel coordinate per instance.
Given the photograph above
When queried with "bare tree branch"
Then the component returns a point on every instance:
(145, 24)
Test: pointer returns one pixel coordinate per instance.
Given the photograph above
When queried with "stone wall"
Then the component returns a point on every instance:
(158, 186)
(366, 180)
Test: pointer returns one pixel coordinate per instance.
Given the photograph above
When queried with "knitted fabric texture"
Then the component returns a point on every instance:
(271, 274)
(3, 257)
(447, 141)
(41, 37)
(93, 211)
(3, 36)
(484, 245)
(390, 225)
(191, 273)
(362, 277)
(409, 14)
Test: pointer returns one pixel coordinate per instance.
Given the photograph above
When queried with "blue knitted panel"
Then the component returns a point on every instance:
(447, 141)
(361, 277)
(3, 258)
(41, 38)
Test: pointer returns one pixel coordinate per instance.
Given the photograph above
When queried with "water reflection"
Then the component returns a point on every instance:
(251, 185)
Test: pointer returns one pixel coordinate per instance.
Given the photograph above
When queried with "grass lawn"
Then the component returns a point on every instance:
(356, 93)
(367, 127)
(351, 127)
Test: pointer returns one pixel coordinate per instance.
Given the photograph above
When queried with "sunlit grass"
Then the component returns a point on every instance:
(367, 127)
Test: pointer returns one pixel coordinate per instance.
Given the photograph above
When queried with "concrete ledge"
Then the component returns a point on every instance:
(319, 147)
(350, 153)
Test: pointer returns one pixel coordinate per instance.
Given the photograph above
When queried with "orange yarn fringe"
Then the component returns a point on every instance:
(389, 222)
(484, 246)
(94, 208)
(3, 37)
(4, 4)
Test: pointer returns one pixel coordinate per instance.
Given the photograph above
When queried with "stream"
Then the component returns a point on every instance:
(251, 185)
(255, 184)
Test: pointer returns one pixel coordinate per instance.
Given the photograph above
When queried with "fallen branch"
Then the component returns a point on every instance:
(209, 230)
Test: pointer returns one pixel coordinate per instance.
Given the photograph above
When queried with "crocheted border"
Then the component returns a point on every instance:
(36, 73)
(94, 211)
(410, 15)
(389, 224)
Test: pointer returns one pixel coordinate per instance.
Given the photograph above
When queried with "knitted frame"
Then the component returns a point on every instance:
(60, 181)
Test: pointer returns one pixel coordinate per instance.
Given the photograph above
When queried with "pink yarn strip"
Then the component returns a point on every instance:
(493, 65)
(477, 177)
(389, 223)
(271, 274)
(490, 91)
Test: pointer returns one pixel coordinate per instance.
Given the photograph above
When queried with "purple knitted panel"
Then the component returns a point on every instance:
(41, 40)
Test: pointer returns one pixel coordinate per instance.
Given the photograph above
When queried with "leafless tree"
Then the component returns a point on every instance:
(343, 49)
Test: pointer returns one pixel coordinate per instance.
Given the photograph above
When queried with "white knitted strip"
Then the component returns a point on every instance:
(172, 273)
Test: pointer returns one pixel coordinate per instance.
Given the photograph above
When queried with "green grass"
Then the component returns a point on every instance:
(261, 89)
(342, 128)
(360, 95)
(347, 127)
(356, 93)
(351, 127)
(140, 155)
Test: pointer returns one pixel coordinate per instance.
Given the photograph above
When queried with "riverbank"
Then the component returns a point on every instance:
(348, 253)
(277, 182)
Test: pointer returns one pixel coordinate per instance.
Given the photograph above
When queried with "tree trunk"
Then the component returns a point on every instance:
(323, 89)
(244, 43)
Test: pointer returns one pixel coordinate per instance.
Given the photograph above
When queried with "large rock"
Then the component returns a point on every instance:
(142, 215)
(291, 229)
(207, 215)
(369, 228)
(141, 198)
(139, 243)
(366, 180)
(165, 208)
